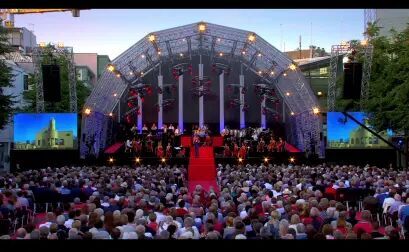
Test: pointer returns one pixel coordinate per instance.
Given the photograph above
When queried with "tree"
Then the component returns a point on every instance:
(6, 78)
(64, 105)
(388, 102)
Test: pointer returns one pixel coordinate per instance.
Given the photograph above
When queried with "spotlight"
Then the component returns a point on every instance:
(151, 38)
(218, 40)
(181, 55)
(272, 72)
(115, 95)
(42, 44)
(111, 160)
(259, 72)
(130, 73)
(292, 113)
(159, 52)
(163, 160)
(87, 111)
(285, 74)
(292, 159)
(243, 52)
(265, 160)
(221, 54)
(137, 160)
(316, 110)
(293, 67)
(201, 27)
(60, 45)
(118, 75)
(111, 67)
(259, 55)
(287, 94)
(143, 56)
(252, 37)
(319, 93)
(110, 114)
(240, 160)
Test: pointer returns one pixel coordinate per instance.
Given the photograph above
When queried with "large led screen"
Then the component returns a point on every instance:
(45, 131)
(343, 132)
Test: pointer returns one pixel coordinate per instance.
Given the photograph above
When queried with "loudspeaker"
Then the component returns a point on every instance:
(51, 83)
(352, 80)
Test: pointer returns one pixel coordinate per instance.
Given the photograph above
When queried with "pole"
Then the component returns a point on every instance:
(221, 101)
(180, 117)
(201, 112)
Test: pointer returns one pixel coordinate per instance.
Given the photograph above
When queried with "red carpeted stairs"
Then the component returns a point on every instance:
(202, 170)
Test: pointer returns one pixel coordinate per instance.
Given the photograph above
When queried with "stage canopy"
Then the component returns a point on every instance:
(226, 44)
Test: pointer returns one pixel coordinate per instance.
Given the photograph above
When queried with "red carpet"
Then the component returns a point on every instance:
(202, 170)
(114, 148)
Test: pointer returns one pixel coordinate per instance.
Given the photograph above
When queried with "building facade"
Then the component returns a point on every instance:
(22, 39)
(89, 66)
(20, 84)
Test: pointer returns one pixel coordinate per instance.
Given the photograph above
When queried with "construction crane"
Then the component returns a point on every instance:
(7, 15)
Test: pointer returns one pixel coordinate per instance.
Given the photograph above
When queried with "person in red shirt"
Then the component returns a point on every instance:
(168, 151)
(242, 152)
(235, 150)
(365, 224)
(181, 210)
(159, 151)
(226, 152)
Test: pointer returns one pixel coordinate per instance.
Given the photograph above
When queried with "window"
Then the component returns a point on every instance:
(25, 82)
(323, 71)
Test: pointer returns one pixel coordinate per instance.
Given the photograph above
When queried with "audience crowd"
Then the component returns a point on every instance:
(252, 202)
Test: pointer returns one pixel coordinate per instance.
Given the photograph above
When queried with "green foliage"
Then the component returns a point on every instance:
(389, 84)
(6, 79)
(64, 105)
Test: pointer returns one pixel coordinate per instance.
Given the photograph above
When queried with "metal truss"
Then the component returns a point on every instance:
(223, 45)
(366, 75)
(67, 52)
(369, 17)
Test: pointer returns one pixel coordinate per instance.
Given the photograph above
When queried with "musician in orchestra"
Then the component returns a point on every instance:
(154, 129)
(280, 145)
(149, 143)
(171, 128)
(134, 129)
(235, 150)
(168, 151)
(242, 152)
(227, 151)
(165, 128)
(272, 145)
(261, 145)
(196, 143)
(159, 150)
(138, 146)
(144, 129)
(128, 145)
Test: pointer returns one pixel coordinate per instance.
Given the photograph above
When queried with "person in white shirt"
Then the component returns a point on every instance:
(190, 227)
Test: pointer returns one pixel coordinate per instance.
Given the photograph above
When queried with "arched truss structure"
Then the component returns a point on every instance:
(217, 42)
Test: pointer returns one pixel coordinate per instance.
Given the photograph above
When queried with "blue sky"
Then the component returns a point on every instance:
(111, 32)
(337, 130)
(26, 126)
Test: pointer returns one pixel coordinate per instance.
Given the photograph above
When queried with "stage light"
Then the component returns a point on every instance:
(292, 113)
(159, 52)
(319, 93)
(42, 44)
(118, 75)
(243, 52)
(259, 72)
(115, 95)
(111, 67)
(130, 73)
(364, 42)
(221, 54)
(60, 44)
(110, 114)
(292, 159)
(272, 73)
(218, 40)
(181, 55)
(202, 27)
(316, 110)
(163, 160)
(143, 56)
(141, 74)
(259, 55)
(151, 38)
(184, 40)
(240, 160)
(111, 160)
(287, 94)
(266, 160)
(285, 74)
(137, 160)
(252, 37)
(87, 111)
(293, 67)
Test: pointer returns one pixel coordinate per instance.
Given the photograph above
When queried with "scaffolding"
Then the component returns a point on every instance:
(38, 57)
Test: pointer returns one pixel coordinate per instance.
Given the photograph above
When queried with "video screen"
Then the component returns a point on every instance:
(344, 133)
(45, 131)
